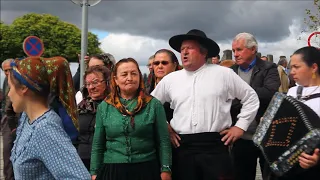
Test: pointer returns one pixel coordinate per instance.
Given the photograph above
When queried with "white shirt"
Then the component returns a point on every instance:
(314, 104)
(79, 97)
(202, 99)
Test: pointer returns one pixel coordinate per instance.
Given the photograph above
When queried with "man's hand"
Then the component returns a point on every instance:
(93, 177)
(86, 59)
(165, 176)
(307, 161)
(231, 135)
(174, 137)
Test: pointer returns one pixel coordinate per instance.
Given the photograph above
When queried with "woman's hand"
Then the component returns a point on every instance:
(165, 176)
(307, 161)
(93, 177)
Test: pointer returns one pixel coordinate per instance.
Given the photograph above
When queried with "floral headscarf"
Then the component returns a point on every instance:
(53, 75)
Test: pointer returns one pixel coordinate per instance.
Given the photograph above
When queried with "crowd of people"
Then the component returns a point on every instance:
(193, 121)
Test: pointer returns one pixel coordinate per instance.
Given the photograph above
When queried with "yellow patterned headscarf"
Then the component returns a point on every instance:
(53, 75)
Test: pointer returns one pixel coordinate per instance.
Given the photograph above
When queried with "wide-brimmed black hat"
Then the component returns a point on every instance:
(198, 35)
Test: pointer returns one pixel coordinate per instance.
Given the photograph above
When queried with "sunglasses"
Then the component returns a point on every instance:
(156, 63)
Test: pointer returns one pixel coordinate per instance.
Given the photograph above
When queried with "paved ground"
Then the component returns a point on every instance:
(258, 177)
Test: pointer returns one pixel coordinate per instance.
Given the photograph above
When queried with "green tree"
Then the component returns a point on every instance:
(59, 38)
(5, 42)
(313, 17)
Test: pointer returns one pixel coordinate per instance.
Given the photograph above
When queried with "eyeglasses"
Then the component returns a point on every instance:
(156, 63)
(149, 65)
(93, 83)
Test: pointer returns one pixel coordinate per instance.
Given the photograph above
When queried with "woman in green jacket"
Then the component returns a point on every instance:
(131, 139)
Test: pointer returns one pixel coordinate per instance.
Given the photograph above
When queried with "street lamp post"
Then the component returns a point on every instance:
(84, 31)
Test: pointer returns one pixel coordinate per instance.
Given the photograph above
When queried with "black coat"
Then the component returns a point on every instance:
(76, 80)
(87, 119)
(265, 81)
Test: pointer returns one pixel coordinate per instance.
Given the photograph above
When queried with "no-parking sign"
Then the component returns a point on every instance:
(33, 46)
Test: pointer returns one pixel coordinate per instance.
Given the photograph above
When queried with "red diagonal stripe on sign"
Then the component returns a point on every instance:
(33, 46)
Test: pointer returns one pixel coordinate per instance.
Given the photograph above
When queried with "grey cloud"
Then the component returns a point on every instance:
(221, 20)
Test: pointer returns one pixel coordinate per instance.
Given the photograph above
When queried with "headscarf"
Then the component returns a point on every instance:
(107, 59)
(114, 97)
(53, 75)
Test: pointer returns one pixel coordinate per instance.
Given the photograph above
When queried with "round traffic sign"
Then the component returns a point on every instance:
(33, 46)
(315, 34)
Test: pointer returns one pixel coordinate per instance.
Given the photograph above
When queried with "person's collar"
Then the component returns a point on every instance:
(251, 65)
(282, 67)
(198, 70)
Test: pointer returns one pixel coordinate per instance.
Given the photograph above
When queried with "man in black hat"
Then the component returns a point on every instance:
(201, 96)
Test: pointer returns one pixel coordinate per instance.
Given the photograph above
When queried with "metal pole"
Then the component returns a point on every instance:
(84, 38)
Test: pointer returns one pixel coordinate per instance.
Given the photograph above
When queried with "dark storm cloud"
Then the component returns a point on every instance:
(221, 20)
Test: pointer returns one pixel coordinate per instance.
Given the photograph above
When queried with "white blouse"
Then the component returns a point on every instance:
(314, 104)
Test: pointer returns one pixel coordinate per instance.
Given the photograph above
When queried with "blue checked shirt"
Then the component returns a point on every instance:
(43, 151)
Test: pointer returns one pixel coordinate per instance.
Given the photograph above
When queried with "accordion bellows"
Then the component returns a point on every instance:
(288, 128)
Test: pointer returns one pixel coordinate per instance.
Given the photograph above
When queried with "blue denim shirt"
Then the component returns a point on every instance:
(251, 65)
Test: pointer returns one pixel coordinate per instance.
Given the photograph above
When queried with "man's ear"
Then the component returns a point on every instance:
(254, 50)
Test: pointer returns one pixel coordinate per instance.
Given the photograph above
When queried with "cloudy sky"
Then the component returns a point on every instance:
(128, 28)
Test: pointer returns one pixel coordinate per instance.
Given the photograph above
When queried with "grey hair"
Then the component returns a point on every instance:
(282, 61)
(6, 61)
(250, 40)
(110, 56)
(151, 57)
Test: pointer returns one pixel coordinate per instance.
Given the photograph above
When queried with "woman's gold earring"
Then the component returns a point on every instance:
(313, 75)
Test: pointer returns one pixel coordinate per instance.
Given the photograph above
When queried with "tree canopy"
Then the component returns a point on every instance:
(313, 17)
(59, 38)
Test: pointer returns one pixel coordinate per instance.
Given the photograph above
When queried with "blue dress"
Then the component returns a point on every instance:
(44, 151)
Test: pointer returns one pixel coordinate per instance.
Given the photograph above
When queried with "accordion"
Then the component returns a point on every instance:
(288, 128)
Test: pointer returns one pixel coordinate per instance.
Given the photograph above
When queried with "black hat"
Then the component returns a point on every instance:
(198, 35)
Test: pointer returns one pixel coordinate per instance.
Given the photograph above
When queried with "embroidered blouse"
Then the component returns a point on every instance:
(44, 151)
(115, 141)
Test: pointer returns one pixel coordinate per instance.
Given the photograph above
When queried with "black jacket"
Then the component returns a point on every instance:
(265, 81)
(76, 80)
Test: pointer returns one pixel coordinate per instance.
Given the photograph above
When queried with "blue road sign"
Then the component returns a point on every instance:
(33, 46)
